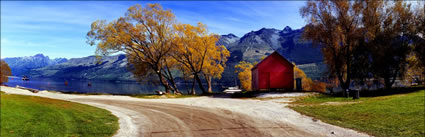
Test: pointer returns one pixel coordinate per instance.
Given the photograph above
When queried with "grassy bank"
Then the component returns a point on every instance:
(35, 116)
(391, 115)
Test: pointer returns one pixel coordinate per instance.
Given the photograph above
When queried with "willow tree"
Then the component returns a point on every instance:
(389, 26)
(144, 34)
(193, 48)
(215, 64)
(334, 25)
(4, 72)
(419, 34)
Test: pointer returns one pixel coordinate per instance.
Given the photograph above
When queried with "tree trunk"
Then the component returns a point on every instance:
(171, 79)
(200, 83)
(387, 82)
(343, 85)
(347, 80)
(356, 94)
(347, 88)
(209, 79)
(163, 82)
(176, 89)
(193, 86)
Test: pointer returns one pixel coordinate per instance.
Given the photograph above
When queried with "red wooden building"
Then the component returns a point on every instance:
(273, 72)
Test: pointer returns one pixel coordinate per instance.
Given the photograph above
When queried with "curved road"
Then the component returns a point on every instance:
(189, 117)
(166, 120)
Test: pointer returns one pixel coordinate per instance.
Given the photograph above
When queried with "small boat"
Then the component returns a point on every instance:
(232, 90)
(25, 78)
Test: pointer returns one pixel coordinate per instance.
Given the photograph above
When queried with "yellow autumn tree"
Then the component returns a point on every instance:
(194, 48)
(4, 72)
(244, 74)
(144, 34)
(307, 83)
(215, 64)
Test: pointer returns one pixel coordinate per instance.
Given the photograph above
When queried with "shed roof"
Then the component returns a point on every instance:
(275, 52)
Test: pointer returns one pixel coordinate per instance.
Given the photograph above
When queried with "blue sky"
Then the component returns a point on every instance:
(58, 29)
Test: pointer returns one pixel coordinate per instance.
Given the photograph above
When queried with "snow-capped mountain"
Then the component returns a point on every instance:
(255, 44)
(21, 65)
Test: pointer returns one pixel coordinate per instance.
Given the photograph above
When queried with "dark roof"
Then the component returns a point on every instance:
(275, 52)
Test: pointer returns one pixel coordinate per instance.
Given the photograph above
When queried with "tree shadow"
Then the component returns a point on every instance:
(384, 92)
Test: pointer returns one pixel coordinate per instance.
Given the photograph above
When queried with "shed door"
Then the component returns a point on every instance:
(264, 80)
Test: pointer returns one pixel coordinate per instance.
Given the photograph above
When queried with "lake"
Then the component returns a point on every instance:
(98, 86)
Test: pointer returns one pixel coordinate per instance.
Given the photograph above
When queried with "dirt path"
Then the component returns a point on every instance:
(201, 116)
(164, 119)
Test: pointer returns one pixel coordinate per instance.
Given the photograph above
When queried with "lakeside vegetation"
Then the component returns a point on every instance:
(36, 116)
(399, 114)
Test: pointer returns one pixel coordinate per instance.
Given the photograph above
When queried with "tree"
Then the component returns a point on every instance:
(194, 48)
(4, 72)
(416, 59)
(334, 26)
(215, 65)
(359, 36)
(144, 35)
(418, 34)
(388, 29)
(244, 74)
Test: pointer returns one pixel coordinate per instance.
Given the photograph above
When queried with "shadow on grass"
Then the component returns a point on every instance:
(384, 92)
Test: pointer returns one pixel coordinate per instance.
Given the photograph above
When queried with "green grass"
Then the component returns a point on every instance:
(392, 115)
(145, 96)
(26, 116)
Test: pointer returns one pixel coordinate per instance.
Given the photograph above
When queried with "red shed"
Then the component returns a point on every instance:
(273, 72)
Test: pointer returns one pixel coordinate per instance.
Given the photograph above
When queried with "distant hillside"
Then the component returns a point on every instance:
(108, 68)
(22, 65)
(315, 71)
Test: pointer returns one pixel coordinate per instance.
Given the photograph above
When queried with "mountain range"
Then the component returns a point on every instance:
(107, 68)
(250, 47)
(256, 44)
(23, 65)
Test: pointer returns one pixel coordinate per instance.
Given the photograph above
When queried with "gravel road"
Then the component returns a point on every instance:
(203, 116)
